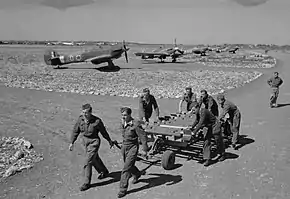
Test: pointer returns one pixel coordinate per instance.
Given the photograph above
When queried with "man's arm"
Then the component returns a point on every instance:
(155, 106)
(210, 103)
(197, 118)
(269, 81)
(226, 110)
(180, 105)
(200, 123)
(141, 109)
(103, 131)
(75, 132)
(281, 82)
(142, 136)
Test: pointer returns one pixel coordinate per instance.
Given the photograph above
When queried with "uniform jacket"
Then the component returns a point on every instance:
(275, 82)
(131, 132)
(210, 104)
(89, 129)
(229, 108)
(145, 107)
(204, 118)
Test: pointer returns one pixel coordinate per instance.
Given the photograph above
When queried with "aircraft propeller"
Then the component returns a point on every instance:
(125, 50)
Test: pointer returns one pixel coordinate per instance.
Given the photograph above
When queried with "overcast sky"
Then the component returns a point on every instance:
(151, 21)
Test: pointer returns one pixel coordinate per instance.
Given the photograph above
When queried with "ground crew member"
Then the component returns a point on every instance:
(234, 117)
(209, 102)
(146, 104)
(274, 82)
(204, 118)
(131, 131)
(89, 126)
(188, 97)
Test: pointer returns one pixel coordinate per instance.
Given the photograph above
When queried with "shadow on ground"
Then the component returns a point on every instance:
(282, 105)
(244, 140)
(159, 180)
(101, 69)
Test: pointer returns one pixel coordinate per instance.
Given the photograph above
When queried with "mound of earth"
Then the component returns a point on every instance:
(16, 154)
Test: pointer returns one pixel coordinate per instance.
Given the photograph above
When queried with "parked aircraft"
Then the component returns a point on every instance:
(95, 56)
(161, 53)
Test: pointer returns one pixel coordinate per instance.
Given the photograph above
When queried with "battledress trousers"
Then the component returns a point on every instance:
(213, 131)
(129, 150)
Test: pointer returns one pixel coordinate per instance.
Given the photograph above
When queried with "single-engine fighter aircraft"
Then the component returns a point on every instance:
(162, 54)
(233, 50)
(200, 51)
(95, 56)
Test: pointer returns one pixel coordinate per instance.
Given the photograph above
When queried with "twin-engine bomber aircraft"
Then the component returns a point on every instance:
(95, 56)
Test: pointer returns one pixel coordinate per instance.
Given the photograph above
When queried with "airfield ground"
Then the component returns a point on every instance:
(258, 170)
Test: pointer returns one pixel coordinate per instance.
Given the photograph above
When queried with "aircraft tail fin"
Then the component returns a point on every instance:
(49, 55)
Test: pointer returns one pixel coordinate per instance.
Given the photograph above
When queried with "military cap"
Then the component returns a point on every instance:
(188, 88)
(145, 90)
(126, 109)
(86, 106)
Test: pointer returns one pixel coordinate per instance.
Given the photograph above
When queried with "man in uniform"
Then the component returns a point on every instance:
(274, 82)
(187, 97)
(146, 104)
(204, 118)
(89, 126)
(209, 102)
(131, 130)
(234, 117)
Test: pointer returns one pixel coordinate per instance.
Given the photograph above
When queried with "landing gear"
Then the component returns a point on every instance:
(111, 66)
(173, 60)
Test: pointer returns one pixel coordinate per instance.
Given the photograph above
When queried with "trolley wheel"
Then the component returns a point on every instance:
(168, 160)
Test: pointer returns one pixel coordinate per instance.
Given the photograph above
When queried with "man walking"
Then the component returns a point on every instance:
(89, 127)
(204, 118)
(234, 117)
(274, 82)
(131, 130)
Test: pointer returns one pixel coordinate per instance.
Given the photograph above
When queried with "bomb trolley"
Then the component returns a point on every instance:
(170, 141)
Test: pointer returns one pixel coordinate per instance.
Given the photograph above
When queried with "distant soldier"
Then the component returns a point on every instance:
(89, 127)
(204, 118)
(187, 97)
(146, 104)
(209, 103)
(131, 131)
(234, 117)
(274, 82)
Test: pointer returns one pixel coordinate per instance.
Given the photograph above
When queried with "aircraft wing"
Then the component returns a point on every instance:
(151, 54)
(100, 57)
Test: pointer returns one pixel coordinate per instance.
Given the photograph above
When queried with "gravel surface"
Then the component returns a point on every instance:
(163, 84)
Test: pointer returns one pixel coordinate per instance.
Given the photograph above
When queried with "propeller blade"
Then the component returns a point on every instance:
(125, 51)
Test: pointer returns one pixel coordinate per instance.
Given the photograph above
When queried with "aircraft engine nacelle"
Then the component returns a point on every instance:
(151, 56)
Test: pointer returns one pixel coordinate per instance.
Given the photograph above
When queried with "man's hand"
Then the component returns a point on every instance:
(143, 153)
(71, 146)
(111, 143)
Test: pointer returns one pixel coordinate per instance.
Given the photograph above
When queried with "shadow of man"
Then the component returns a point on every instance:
(282, 105)
(161, 179)
(244, 140)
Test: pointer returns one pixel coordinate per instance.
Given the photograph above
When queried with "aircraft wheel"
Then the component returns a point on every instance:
(168, 160)
(174, 60)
